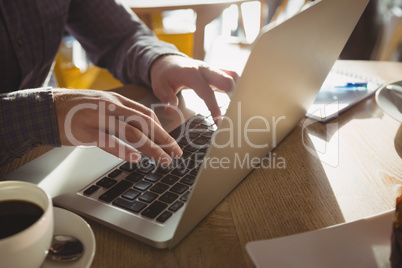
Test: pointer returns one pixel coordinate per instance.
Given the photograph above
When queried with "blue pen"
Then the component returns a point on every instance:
(352, 85)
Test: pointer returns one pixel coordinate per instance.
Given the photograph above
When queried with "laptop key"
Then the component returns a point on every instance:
(159, 188)
(192, 134)
(188, 179)
(201, 128)
(128, 166)
(170, 179)
(131, 194)
(180, 170)
(176, 206)
(197, 119)
(207, 134)
(179, 188)
(163, 170)
(164, 216)
(134, 177)
(148, 197)
(184, 197)
(154, 209)
(186, 154)
(142, 185)
(194, 172)
(106, 182)
(115, 173)
(168, 197)
(122, 203)
(191, 147)
(146, 168)
(135, 206)
(201, 141)
(153, 177)
(204, 148)
(91, 190)
(176, 162)
(182, 142)
(190, 163)
(177, 132)
(198, 156)
(115, 191)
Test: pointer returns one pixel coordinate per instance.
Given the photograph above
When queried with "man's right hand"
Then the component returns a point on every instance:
(114, 123)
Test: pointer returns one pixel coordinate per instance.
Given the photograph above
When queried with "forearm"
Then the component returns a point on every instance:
(27, 120)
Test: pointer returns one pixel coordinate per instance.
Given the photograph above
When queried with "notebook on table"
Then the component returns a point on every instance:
(287, 65)
(340, 92)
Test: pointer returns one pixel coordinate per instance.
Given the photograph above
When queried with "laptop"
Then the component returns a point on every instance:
(284, 72)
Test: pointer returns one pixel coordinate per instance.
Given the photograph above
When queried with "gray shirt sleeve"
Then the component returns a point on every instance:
(27, 120)
(115, 38)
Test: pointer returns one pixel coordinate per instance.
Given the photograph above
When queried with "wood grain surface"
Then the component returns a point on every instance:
(337, 172)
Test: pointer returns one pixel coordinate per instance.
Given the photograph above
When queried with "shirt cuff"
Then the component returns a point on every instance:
(140, 57)
(152, 57)
(27, 120)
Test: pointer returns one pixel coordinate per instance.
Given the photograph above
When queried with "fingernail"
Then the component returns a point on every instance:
(177, 152)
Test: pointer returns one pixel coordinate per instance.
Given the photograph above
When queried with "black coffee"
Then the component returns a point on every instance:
(17, 215)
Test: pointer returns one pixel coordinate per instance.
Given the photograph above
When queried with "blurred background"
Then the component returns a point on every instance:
(231, 26)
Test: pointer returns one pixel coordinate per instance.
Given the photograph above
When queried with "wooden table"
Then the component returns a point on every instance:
(307, 195)
(206, 10)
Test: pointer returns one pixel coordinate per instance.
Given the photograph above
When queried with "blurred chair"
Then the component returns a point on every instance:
(72, 73)
(182, 39)
(69, 75)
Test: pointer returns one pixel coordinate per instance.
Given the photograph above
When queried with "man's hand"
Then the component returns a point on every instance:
(171, 73)
(117, 124)
(114, 123)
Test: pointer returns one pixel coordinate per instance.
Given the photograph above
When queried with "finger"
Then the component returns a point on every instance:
(158, 135)
(208, 96)
(155, 152)
(113, 146)
(168, 97)
(218, 79)
(200, 85)
(235, 76)
(142, 143)
(133, 105)
(139, 133)
(146, 122)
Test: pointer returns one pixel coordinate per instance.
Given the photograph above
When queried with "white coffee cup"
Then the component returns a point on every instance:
(27, 248)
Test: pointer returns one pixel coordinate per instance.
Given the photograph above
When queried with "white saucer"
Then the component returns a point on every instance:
(66, 222)
(389, 102)
(360, 244)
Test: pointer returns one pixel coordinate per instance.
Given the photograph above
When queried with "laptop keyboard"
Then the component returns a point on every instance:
(151, 190)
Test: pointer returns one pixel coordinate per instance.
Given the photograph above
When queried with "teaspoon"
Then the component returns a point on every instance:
(65, 248)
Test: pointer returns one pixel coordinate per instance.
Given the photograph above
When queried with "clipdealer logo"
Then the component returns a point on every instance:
(236, 134)
(246, 161)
